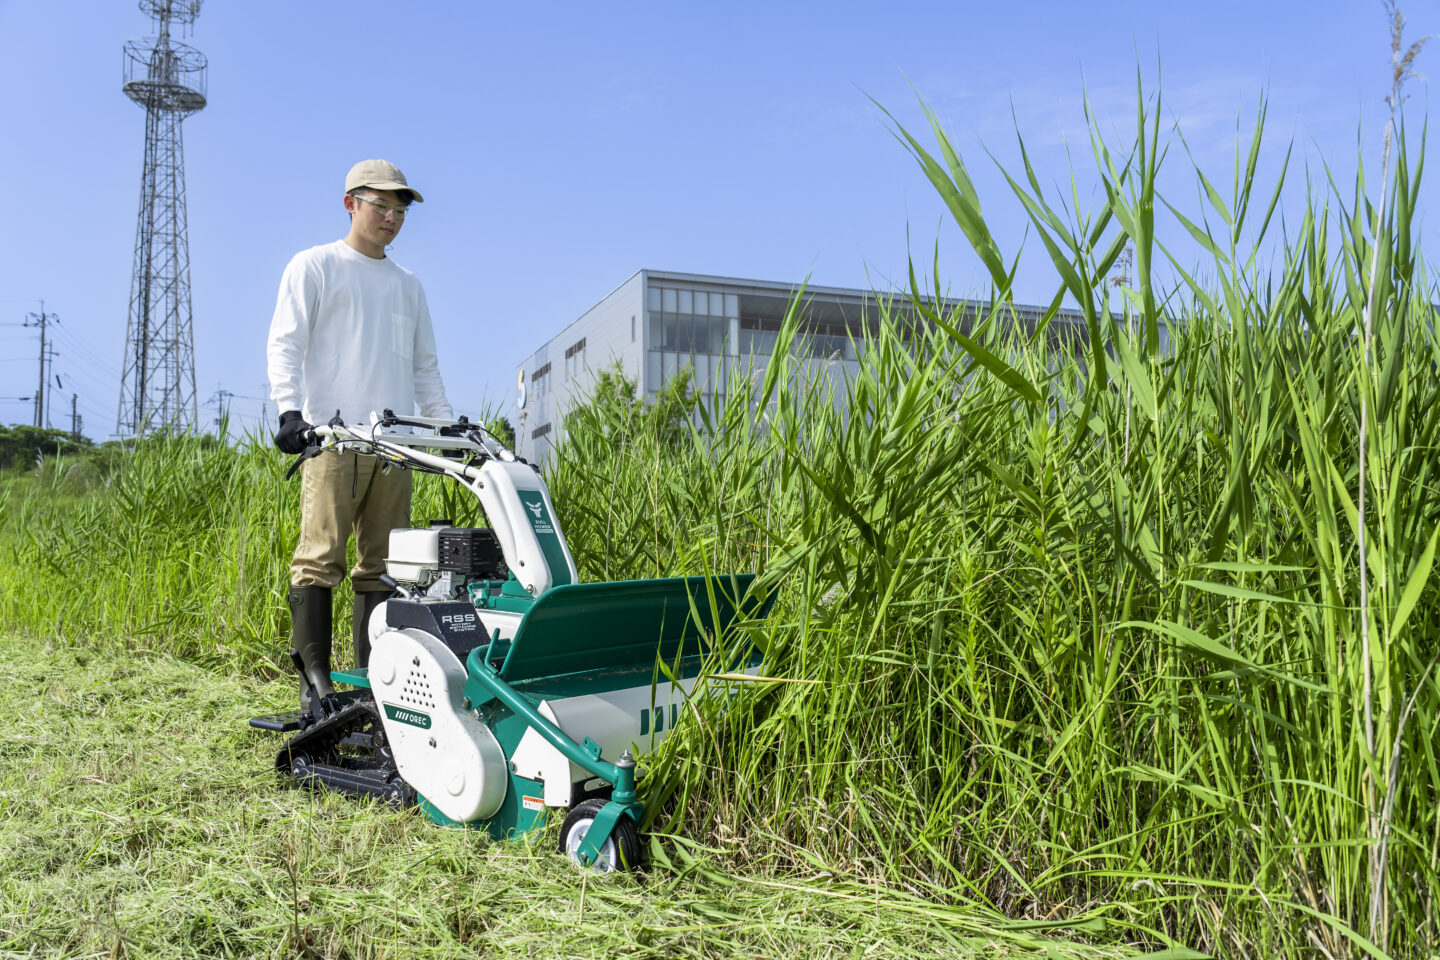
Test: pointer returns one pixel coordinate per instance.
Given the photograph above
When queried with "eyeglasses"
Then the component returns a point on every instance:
(381, 207)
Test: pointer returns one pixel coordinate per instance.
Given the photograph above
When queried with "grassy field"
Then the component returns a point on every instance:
(1132, 629)
(143, 820)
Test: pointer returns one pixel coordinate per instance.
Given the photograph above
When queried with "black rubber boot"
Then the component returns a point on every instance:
(365, 603)
(310, 633)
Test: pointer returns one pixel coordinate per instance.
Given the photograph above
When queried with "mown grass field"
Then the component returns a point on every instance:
(142, 820)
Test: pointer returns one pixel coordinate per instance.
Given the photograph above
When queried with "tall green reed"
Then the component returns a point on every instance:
(1084, 625)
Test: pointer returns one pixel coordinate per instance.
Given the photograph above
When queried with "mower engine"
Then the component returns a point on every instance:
(441, 561)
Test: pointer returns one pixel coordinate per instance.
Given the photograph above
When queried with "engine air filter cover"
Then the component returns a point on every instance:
(471, 551)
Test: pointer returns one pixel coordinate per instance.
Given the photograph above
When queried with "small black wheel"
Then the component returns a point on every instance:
(620, 852)
(398, 793)
(287, 760)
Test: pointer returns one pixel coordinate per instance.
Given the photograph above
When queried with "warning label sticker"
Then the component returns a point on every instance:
(532, 803)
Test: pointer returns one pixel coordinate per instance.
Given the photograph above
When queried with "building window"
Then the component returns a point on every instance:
(540, 431)
(540, 381)
(691, 328)
(632, 328)
(574, 358)
(692, 322)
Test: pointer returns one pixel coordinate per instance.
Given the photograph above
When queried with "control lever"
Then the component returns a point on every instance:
(393, 584)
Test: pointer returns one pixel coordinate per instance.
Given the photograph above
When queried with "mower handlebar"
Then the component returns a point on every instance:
(403, 450)
(454, 437)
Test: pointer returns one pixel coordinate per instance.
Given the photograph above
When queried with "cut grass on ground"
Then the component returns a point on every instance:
(143, 819)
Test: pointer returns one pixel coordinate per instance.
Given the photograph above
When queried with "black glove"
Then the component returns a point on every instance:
(294, 433)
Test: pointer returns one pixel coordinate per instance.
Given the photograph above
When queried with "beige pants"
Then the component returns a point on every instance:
(340, 493)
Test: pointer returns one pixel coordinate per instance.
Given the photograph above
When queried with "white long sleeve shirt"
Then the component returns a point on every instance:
(353, 334)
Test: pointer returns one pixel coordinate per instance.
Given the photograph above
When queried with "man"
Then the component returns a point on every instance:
(351, 333)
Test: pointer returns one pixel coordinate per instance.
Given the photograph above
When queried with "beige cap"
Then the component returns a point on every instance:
(381, 175)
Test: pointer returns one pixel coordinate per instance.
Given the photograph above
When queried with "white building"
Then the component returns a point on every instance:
(658, 322)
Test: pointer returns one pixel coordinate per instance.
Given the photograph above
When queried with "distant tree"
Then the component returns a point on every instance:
(501, 429)
(671, 410)
(615, 411)
(24, 444)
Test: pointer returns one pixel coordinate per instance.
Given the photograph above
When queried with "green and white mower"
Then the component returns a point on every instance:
(500, 689)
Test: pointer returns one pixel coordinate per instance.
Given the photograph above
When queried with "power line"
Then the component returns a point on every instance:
(88, 369)
(98, 375)
(89, 359)
(75, 344)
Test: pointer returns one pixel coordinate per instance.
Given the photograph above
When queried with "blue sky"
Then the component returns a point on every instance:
(563, 146)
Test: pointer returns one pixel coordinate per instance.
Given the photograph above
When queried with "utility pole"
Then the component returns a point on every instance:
(74, 418)
(222, 408)
(41, 320)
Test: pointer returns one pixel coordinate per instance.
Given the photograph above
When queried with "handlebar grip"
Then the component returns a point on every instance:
(403, 422)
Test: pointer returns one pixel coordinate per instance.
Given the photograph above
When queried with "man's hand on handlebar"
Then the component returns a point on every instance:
(294, 434)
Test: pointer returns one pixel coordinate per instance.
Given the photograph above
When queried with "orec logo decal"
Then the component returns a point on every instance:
(405, 715)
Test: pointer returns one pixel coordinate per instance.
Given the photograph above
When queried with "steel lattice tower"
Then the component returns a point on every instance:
(167, 78)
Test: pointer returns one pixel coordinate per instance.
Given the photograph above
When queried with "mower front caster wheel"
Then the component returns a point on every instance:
(620, 852)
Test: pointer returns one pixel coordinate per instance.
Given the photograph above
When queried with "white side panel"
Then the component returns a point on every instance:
(441, 750)
(617, 720)
(537, 760)
(500, 622)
